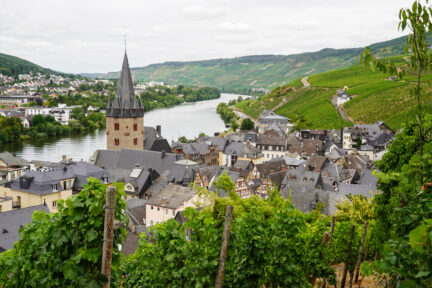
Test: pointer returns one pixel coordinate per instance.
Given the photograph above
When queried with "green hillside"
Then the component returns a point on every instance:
(266, 71)
(13, 66)
(375, 98)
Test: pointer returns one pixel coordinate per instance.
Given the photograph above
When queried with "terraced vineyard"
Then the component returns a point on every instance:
(375, 98)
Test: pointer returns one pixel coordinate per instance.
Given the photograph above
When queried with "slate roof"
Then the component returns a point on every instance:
(272, 140)
(276, 128)
(172, 196)
(136, 210)
(221, 142)
(368, 179)
(11, 221)
(154, 141)
(127, 158)
(315, 163)
(195, 148)
(274, 165)
(296, 177)
(242, 149)
(251, 137)
(125, 104)
(10, 160)
(242, 164)
(294, 162)
(40, 182)
(182, 172)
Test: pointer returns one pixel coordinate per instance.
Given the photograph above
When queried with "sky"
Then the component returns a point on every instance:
(88, 35)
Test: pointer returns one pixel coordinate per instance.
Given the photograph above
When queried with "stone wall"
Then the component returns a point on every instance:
(125, 134)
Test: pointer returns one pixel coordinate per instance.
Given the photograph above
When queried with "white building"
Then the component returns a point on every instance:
(342, 97)
(62, 113)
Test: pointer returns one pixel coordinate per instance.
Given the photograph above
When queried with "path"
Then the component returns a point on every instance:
(342, 112)
(305, 82)
(280, 104)
(244, 116)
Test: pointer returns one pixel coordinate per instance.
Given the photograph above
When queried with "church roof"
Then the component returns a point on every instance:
(125, 104)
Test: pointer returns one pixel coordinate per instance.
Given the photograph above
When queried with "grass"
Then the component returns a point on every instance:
(314, 104)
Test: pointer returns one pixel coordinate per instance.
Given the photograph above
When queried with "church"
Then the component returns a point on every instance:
(125, 119)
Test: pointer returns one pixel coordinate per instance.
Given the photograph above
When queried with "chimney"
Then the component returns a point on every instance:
(159, 129)
(164, 201)
(64, 158)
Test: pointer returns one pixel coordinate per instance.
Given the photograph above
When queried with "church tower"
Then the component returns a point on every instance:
(125, 115)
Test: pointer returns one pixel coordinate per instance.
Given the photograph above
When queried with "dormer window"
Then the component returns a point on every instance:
(54, 187)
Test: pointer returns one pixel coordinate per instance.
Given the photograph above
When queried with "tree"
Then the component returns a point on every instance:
(418, 20)
(247, 124)
(77, 113)
(234, 125)
(64, 249)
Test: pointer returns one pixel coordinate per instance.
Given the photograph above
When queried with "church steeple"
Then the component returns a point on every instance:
(125, 104)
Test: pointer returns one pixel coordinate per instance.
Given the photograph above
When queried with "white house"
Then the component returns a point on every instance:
(342, 97)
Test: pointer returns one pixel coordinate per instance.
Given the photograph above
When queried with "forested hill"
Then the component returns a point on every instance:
(13, 66)
(262, 71)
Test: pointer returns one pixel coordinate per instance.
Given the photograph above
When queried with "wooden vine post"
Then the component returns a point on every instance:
(224, 248)
(108, 233)
(324, 283)
(323, 242)
(357, 269)
(344, 275)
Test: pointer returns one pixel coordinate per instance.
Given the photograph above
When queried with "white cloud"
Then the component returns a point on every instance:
(234, 27)
(88, 35)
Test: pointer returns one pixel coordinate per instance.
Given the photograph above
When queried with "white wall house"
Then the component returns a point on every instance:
(164, 205)
(62, 113)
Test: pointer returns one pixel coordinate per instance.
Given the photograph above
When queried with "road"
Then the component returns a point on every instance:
(305, 82)
(342, 112)
(244, 116)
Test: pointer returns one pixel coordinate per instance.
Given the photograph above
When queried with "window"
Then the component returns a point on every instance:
(69, 183)
(166, 211)
(135, 127)
(151, 207)
(64, 185)
(135, 141)
(116, 141)
(151, 222)
(54, 204)
(173, 213)
(158, 208)
(54, 187)
(116, 126)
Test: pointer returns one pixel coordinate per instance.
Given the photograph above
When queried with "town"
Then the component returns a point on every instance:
(313, 168)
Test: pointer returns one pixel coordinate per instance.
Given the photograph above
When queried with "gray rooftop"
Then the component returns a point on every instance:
(11, 221)
(38, 182)
(10, 160)
(172, 196)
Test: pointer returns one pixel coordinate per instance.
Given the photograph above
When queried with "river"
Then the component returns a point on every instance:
(187, 119)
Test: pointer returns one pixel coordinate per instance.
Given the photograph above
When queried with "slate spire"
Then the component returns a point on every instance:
(125, 104)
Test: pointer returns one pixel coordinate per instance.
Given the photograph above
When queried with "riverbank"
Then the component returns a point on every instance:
(187, 119)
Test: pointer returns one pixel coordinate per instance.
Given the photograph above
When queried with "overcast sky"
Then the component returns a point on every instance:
(88, 35)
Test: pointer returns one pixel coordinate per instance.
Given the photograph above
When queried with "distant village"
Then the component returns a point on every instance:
(24, 96)
(161, 179)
